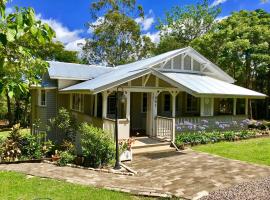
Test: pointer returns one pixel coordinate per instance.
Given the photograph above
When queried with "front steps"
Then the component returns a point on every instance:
(148, 145)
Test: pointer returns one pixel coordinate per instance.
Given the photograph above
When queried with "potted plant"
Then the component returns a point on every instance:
(126, 150)
(56, 156)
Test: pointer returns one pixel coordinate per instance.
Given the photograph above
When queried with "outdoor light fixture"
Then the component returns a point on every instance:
(122, 100)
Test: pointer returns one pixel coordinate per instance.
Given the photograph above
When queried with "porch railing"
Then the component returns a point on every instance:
(109, 125)
(164, 127)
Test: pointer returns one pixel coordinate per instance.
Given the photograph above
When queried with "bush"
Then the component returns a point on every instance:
(65, 158)
(35, 146)
(65, 122)
(97, 146)
(11, 147)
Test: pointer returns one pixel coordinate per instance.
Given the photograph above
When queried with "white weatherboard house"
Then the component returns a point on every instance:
(160, 95)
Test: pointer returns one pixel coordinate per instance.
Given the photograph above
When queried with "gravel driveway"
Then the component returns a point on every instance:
(253, 190)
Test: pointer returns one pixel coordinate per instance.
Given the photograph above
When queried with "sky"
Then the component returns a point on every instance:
(69, 17)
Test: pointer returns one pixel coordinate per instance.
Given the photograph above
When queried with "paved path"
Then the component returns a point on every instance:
(188, 174)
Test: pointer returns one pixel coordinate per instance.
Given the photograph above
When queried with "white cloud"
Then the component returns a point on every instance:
(63, 34)
(217, 2)
(75, 45)
(155, 37)
(218, 19)
(147, 21)
(99, 21)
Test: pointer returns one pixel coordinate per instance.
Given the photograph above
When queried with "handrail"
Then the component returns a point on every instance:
(162, 117)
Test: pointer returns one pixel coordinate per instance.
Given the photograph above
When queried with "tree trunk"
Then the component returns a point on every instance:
(9, 113)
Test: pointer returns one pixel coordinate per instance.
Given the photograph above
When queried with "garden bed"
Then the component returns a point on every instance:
(195, 138)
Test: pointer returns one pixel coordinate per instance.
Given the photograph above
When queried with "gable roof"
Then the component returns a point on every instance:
(72, 71)
(123, 73)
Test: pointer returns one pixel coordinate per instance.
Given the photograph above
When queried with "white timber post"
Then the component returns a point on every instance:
(127, 94)
(104, 104)
(95, 109)
(234, 106)
(154, 112)
(174, 94)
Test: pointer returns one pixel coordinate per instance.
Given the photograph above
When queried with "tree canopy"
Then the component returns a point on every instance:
(183, 24)
(116, 37)
(19, 66)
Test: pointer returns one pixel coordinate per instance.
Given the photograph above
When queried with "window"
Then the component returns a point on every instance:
(111, 105)
(42, 97)
(192, 103)
(144, 102)
(226, 106)
(77, 102)
(167, 103)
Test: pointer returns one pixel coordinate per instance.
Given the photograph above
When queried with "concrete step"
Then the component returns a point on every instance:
(158, 144)
(153, 148)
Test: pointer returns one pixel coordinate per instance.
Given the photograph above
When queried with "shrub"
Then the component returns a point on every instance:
(35, 146)
(65, 158)
(97, 146)
(229, 135)
(65, 122)
(11, 147)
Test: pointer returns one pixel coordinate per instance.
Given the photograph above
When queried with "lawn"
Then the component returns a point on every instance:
(251, 150)
(4, 134)
(17, 186)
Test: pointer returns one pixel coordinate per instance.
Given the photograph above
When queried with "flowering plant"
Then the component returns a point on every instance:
(126, 144)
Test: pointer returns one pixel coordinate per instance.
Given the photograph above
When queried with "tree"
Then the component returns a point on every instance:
(183, 24)
(240, 45)
(116, 37)
(52, 51)
(18, 67)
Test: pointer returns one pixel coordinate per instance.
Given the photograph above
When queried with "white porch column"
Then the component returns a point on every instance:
(174, 94)
(234, 106)
(127, 94)
(154, 102)
(104, 104)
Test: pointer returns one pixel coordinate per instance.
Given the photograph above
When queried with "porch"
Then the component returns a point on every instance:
(149, 106)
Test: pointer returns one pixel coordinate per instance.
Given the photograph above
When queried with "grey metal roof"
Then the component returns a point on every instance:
(61, 70)
(122, 72)
(205, 85)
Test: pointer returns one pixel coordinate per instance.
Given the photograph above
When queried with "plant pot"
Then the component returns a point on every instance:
(126, 155)
(55, 158)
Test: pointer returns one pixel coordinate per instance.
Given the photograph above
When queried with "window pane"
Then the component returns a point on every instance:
(226, 106)
(187, 63)
(43, 97)
(111, 105)
(192, 103)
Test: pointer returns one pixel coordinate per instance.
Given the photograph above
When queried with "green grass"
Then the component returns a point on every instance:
(251, 150)
(4, 134)
(14, 185)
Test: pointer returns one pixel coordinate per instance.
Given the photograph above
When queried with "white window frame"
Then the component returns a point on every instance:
(81, 103)
(40, 103)
(142, 98)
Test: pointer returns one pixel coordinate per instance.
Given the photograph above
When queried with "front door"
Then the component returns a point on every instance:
(139, 114)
